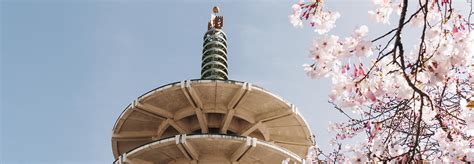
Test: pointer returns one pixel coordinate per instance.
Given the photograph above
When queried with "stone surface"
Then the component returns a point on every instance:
(208, 149)
(210, 107)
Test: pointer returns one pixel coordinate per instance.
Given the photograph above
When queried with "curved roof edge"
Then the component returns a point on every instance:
(295, 110)
(182, 138)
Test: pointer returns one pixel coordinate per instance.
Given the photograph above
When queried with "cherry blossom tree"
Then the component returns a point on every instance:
(408, 103)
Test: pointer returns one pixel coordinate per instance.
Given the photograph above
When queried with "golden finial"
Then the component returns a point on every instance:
(216, 21)
(215, 9)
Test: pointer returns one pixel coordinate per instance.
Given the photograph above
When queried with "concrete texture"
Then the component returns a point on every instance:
(211, 107)
(208, 149)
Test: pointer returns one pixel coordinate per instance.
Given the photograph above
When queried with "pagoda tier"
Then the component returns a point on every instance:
(211, 107)
(208, 149)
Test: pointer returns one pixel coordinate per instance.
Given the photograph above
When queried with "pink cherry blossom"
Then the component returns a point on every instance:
(381, 15)
(418, 20)
(364, 48)
(325, 21)
(296, 21)
(408, 101)
(360, 32)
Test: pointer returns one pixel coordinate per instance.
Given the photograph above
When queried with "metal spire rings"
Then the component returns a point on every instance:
(214, 53)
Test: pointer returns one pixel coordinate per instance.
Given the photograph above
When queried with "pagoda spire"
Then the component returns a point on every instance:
(214, 53)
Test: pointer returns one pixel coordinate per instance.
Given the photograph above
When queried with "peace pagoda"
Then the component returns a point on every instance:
(211, 120)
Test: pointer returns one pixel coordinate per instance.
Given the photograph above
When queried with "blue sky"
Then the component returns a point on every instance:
(69, 68)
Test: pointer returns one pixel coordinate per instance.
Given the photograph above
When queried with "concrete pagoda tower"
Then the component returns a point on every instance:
(210, 120)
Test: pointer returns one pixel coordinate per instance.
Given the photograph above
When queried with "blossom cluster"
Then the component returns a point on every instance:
(409, 103)
(322, 21)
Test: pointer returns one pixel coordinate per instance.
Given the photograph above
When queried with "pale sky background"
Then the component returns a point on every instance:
(69, 68)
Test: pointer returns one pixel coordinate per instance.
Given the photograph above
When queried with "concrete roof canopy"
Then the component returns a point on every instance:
(211, 107)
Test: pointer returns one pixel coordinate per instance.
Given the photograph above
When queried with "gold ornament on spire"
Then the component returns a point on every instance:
(216, 21)
(215, 9)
